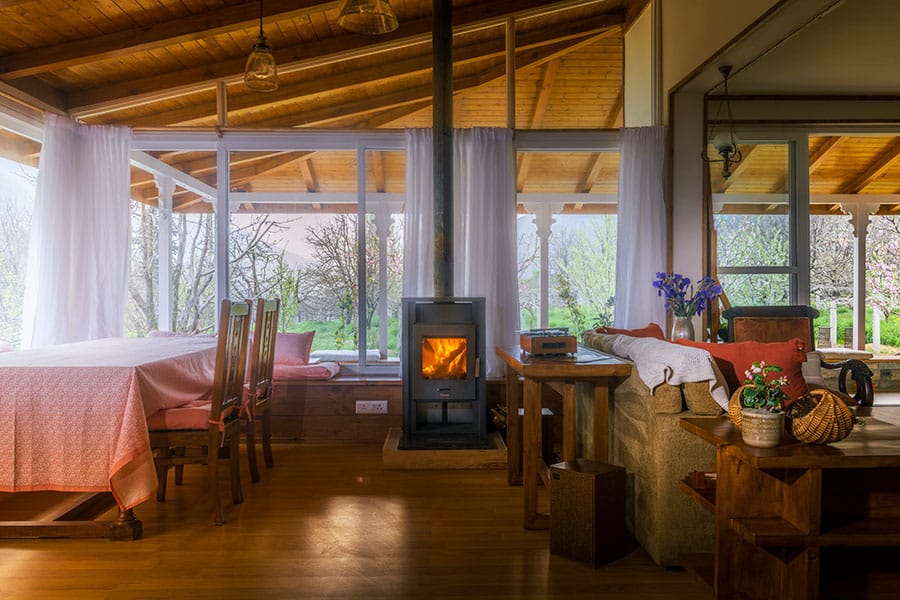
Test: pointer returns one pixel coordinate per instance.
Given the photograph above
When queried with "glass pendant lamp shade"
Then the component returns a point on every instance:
(370, 17)
(260, 73)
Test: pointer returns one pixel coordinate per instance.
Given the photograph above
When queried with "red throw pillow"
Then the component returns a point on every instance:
(735, 358)
(293, 348)
(651, 330)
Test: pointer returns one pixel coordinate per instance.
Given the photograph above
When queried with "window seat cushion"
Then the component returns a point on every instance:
(320, 370)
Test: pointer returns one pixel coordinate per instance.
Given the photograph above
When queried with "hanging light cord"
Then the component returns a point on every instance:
(261, 35)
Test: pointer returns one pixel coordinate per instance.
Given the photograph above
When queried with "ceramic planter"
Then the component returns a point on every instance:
(761, 428)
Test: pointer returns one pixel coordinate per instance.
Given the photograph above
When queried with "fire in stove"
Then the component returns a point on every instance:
(444, 358)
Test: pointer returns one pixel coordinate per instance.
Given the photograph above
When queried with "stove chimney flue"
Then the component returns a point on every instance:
(442, 49)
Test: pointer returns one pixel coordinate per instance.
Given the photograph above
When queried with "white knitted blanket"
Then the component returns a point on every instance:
(659, 361)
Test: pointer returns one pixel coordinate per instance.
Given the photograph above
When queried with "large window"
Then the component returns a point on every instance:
(17, 183)
(752, 221)
(321, 228)
(567, 238)
(815, 226)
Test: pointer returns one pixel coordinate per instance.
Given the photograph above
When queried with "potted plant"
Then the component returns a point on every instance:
(762, 401)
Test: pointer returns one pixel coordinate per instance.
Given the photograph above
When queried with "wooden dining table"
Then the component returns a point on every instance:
(73, 418)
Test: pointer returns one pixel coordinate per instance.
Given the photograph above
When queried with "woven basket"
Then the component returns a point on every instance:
(829, 418)
(734, 406)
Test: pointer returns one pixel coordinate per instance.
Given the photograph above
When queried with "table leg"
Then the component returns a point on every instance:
(568, 422)
(601, 422)
(531, 455)
(513, 429)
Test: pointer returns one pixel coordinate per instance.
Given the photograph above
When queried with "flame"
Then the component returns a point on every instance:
(444, 358)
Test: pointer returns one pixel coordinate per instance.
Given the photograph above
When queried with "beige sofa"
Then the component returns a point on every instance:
(645, 438)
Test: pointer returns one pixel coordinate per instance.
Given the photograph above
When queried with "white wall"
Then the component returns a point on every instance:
(694, 30)
(638, 82)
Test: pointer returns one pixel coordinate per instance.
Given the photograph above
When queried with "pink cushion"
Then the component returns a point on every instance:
(293, 348)
(193, 415)
(322, 370)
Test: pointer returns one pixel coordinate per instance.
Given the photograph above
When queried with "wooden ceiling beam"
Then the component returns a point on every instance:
(824, 149)
(746, 153)
(593, 172)
(537, 118)
(159, 35)
(345, 47)
(885, 160)
(378, 170)
(20, 150)
(309, 177)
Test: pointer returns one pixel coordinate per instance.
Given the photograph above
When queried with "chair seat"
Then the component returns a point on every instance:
(193, 415)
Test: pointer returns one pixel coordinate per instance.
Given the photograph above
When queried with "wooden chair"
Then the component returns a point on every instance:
(205, 432)
(780, 323)
(259, 392)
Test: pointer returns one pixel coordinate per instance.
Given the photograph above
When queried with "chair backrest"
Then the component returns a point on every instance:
(231, 361)
(262, 351)
(771, 324)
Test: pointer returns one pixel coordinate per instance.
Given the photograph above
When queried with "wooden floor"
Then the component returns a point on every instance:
(329, 522)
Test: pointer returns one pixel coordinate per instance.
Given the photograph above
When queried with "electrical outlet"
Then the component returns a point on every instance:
(371, 407)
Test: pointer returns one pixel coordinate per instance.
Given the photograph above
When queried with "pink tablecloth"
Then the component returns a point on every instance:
(73, 416)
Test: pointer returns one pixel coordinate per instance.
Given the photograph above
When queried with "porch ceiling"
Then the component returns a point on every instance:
(158, 63)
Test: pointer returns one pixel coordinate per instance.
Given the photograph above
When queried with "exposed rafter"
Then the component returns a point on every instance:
(882, 163)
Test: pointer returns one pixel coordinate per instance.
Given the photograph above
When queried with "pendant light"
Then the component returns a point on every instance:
(370, 17)
(724, 141)
(260, 74)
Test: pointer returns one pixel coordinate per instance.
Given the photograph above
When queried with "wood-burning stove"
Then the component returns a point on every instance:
(442, 354)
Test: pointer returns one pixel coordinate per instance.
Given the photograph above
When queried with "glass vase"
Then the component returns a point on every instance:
(682, 328)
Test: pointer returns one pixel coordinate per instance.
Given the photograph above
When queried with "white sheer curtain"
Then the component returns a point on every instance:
(484, 244)
(641, 248)
(78, 253)
(418, 216)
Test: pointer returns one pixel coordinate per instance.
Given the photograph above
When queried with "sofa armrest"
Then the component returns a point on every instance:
(861, 375)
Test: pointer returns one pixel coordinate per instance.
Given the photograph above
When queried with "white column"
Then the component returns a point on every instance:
(832, 319)
(223, 215)
(383, 222)
(166, 187)
(543, 220)
(859, 220)
(876, 330)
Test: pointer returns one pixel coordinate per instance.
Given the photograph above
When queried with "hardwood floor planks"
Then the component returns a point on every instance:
(329, 522)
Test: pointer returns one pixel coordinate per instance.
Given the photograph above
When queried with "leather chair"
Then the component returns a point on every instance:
(781, 323)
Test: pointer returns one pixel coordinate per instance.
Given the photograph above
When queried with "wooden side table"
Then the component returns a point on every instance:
(599, 370)
(800, 520)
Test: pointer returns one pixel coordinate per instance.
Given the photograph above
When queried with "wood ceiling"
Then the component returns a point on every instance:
(178, 64)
